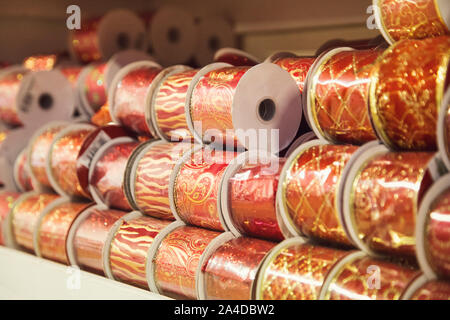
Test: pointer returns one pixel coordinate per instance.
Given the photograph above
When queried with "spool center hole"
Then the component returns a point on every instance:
(214, 43)
(266, 109)
(123, 41)
(173, 35)
(45, 101)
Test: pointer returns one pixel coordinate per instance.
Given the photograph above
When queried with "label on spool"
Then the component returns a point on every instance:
(86, 157)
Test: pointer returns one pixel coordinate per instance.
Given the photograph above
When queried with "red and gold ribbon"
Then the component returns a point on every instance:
(169, 105)
(102, 117)
(297, 67)
(252, 200)
(437, 235)
(129, 249)
(7, 199)
(197, 188)
(433, 290)
(94, 87)
(309, 191)
(129, 99)
(370, 279)
(384, 200)
(22, 175)
(151, 181)
(9, 88)
(63, 161)
(230, 271)
(177, 260)
(43, 62)
(418, 19)
(297, 272)
(54, 229)
(90, 238)
(108, 176)
(84, 41)
(406, 92)
(25, 215)
(339, 96)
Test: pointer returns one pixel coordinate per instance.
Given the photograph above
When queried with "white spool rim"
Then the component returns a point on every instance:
(227, 50)
(341, 195)
(131, 168)
(349, 258)
(187, 106)
(111, 18)
(7, 227)
(367, 153)
(150, 112)
(268, 259)
(70, 241)
(443, 145)
(173, 179)
(287, 225)
(430, 196)
(118, 77)
(17, 182)
(379, 22)
(41, 216)
(309, 136)
(48, 164)
(210, 249)
(280, 55)
(235, 165)
(93, 191)
(153, 251)
(269, 82)
(106, 251)
(310, 88)
(34, 137)
(414, 286)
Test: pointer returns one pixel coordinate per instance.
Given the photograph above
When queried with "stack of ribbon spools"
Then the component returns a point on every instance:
(298, 178)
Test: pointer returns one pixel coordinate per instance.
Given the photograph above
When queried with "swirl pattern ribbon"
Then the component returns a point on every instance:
(297, 67)
(406, 93)
(129, 249)
(177, 260)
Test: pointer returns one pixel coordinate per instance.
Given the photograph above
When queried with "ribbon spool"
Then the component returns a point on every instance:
(23, 219)
(352, 278)
(10, 81)
(195, 187)
(285, 273)
(62, 160)
(337, 97)
(38, 151)
(419, 19)
(213, 33)
(443, 130)
(418, 70)
(107, 171)
(45, 96)
(7, 199)
(100, 38)
(377, 43)
(175, 257)
(235, 57)
(22, 177)
(308, 191)
(172, 35)
(147, 177)
(252, 108)
(425, 289)
(309, 136)
(15, 141)
(132, 239)
(381, 198)
(167, 98)
(229, 267)
(95, 80)
(128, 96)
(248, 196)
(52, 229)
(41, 62)
(90, 236)
(433, 230)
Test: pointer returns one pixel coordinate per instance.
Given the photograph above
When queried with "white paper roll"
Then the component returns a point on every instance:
(213, 33)
(172, 35)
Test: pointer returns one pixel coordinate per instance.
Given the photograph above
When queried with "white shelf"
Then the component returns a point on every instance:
(24, 276)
